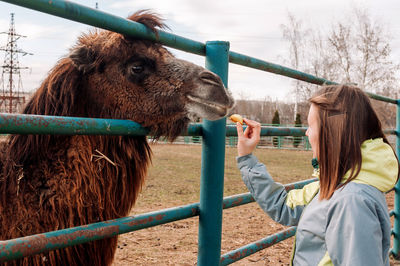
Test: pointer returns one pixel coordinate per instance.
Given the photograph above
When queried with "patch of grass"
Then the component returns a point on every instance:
(174, 177)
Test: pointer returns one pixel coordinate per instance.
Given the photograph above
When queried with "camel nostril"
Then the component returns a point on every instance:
(210, 78)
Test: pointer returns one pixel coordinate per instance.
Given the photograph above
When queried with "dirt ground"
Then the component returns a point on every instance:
(176, 243)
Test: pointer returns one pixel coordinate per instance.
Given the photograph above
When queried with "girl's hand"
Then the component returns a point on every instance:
(248, 140)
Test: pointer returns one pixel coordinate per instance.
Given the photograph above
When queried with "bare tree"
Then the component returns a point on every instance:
(375, 71)
(355, 50)
(341, 44)
(352, 51)
(295, 35)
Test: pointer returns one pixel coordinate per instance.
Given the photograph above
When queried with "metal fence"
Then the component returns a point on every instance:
(213, 134)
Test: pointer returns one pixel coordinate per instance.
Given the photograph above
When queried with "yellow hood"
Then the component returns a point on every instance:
(379, 166)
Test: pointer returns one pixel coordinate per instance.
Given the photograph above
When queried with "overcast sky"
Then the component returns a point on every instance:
(252, 27)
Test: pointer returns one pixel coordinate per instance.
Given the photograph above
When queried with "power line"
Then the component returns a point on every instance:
(11, 98)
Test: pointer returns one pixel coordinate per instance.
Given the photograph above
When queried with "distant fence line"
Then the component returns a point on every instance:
(279, 142)
(276, 142)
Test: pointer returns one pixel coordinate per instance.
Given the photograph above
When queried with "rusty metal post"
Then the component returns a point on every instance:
(212, 169)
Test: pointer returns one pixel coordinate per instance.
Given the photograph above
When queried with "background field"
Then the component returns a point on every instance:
(174, 180)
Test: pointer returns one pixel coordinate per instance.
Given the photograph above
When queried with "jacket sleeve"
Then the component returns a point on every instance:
(283, 207)
(353, 232)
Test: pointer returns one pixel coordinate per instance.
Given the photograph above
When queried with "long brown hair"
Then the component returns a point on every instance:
(346, 120)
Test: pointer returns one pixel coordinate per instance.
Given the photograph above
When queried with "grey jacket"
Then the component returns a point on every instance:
(351, 228)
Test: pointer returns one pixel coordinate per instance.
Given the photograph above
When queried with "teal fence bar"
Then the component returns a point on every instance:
(271, 131)
(396, 227)
(211, 203)
(35, 244)
(252, 248)
(212, 167)
(42, 124)
(62, 125)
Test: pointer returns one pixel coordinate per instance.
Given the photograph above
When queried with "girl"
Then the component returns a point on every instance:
(342, 218)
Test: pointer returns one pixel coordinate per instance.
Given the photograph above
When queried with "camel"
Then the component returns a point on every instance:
(50, 182)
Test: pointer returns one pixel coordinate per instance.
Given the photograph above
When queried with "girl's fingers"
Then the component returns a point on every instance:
(247, 131)
(239, 129)
(257, 130)
(253, 126)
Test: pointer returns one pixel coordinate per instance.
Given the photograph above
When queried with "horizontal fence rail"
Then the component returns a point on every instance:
(41, 124)
(62, 125)
(35, 244)
(252, 248)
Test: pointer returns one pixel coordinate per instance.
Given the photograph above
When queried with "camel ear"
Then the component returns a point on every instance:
(83, 58)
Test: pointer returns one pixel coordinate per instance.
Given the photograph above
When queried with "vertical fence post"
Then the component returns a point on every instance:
(212, 167)
(396, 226)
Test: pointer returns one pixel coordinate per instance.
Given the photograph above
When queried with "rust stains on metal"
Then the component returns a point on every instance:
(146, 220)
(263, 245)
(239, 254)
(35, 244)
(289, 187)
(100, 232)
(42, 121)
(233, 203)
(237, 201)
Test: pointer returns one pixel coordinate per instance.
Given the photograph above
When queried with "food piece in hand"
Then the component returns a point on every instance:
(236, 118)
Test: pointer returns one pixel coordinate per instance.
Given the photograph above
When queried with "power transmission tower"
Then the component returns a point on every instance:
(11, 98)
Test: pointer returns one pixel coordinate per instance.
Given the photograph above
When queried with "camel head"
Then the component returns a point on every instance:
(129, 78)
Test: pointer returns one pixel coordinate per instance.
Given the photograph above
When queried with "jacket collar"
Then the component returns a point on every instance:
(379, 166)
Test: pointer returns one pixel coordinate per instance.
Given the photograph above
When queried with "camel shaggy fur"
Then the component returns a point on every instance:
(52, 182)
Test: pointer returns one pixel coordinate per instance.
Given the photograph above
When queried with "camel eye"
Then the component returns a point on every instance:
(138, 69)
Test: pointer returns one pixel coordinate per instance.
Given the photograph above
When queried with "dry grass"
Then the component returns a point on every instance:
(174, 180)
(174, 177)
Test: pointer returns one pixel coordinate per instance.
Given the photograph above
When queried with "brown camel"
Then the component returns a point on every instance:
(53, 182)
